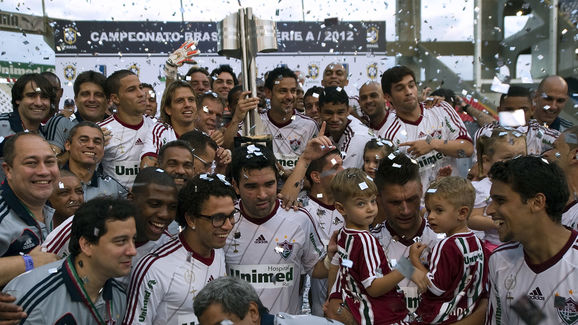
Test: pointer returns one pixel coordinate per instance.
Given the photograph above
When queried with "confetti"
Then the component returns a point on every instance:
(278, 249)
(545, 161)
(391, 156)
(96, 231)
(557, 155)
(432, 190)
(363, 186)
(339, 89)
(512, 119)
(347, 263)
(38, 90)
(333, 161)
(60, 185)
(319, 196)
(315, 95)
(206, 109)
(396, 165)
(546, 107)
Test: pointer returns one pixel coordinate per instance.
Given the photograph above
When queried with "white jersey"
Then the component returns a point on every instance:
(352, 142)
(160, 135)
(551, 286)
(379, 130)
(538, 138)
(439, 122)
(165, 282)
(396, 247)
(327, 220)
(122, 154)
(272, 253)
(289, 138)
(570, 215)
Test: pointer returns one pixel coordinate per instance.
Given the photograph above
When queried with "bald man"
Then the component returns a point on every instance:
(550, 99)
(373, 105)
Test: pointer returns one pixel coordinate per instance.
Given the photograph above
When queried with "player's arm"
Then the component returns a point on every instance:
(315, 149)
(13, 266)
(478, 221)
(415, 252)
(181, 55)
(244, 105)
(145, 294)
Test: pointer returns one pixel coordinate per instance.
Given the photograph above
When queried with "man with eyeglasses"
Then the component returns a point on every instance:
(165, 282)
(205, 152)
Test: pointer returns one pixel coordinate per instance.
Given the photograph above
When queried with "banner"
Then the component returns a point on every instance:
(16, 69)
(102, 38)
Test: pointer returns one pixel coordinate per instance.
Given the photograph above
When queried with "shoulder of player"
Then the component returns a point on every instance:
(4, 208)
(106, 121)
(305, 118)
(507, 252)
(31, 288)
(160, 255)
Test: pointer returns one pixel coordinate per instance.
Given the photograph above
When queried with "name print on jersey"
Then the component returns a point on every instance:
(265, 276)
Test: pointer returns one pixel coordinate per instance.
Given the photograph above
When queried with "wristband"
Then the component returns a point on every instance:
(28, 262)
(405, 267)
(327, 262)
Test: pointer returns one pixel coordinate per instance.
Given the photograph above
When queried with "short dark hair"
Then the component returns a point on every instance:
(39, 81)
(397, 171)
(198, 190)
(112, 84)
(197, 69)
(529, 176)
(90, 220)
(317, 164)
(75, 128)
(145, 85)
(9, 149)
(50, 74)
(516, 91)
(333, 95)
(151, 175)
(252, 157)
(223, 68)
(174, 144)
(278, 73)
(313, 90)
(448, 95)
(94, 77)
(393, 75)
(236, 89)
(199, 140)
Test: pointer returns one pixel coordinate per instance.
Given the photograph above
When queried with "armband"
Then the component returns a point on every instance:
(405, 267)
(28, 262)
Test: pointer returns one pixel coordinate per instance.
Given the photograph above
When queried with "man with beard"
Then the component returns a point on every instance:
(550, 98)
(66, 198)
(373, 104)
(176, 159)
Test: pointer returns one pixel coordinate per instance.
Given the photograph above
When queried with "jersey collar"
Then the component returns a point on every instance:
(323, 205)
(405, 241)
(73, 282)
(418, 121)
(16, 205)
(205, 260)
(261, 220)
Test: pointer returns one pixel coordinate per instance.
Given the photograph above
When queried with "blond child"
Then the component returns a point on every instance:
(501, 145)
(375, 150)
(365, 281)
(458, 269)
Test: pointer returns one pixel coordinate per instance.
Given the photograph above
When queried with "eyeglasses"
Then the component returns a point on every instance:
(206, 164)
(218, 220)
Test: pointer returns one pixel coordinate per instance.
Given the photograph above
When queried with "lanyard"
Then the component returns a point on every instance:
(87, 300)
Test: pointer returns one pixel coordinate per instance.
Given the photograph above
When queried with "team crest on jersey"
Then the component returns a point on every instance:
(284, 249)
(568, 310)
(295, 144)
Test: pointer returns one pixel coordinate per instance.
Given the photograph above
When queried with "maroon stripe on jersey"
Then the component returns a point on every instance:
(141, 270)
(506, 246)
(348, 134)
(62, 237)
(392, 131)
(130, 126)
(538, 268)
(106, 121)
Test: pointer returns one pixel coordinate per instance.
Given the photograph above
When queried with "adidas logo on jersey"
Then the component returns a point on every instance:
(28, 245)
(139, 142)
(279, 136)
(536, 294)
(261, 240)
(211, 278)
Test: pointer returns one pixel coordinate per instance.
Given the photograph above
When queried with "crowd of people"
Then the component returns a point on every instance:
(127, 212)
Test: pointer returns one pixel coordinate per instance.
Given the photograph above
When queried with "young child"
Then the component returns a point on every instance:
(458, 268)
(501, 145)
(368, 285)
(375, 150)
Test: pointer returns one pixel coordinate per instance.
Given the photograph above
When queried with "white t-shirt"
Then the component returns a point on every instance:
(165, 282)
(439, 122)
(570, 215)
(551, 286)
(272, 253)
(482, 201)
(122, 154)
